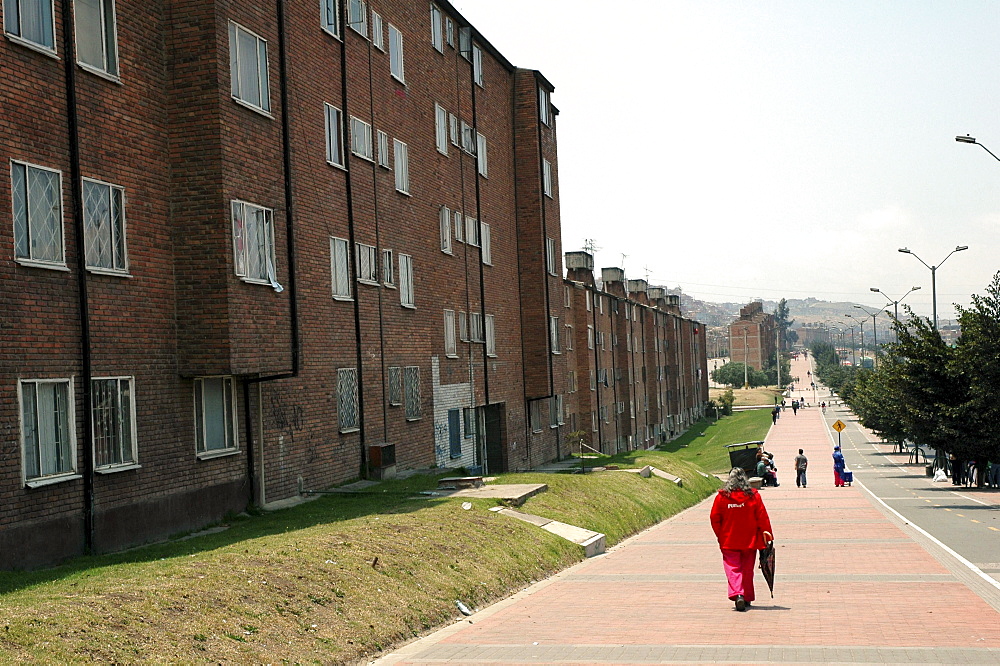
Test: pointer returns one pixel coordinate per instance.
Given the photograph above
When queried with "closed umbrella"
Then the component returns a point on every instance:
(767, 565)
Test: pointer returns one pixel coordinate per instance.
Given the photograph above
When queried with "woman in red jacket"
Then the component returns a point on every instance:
(741, 524)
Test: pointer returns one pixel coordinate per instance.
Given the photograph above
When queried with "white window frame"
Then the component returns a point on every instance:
(567, 296)
(444, 220)
(396, 65)
(383, 150)
(401, 162)
(486, 243)
(66, 427)
(106, 25)
(477, 65)
(15, 32)
(340, 269)
(118, 422)
(463, 326)
(329, 11)
(24, 248)
(547, 178)
(437, 38)
(453, 129)
(569, 337)
(357, 17)
(112, 236)
(476, 332)
(229, 414)
(240, 89)
(544, 106)
(550, 258)
(449, 31)
(441, 128)
(554, 335)
(468, 138)
(378, 33)
(535, 415)
(481, 159)
(367, 258)
(388, 269)
(472, 231)
(406, 298)
(347, 400)
(334, 124)
(459, 226)
(450, 344)
(556, 417)
(465, 42)
(263, 242)
(361, 139)
(491, 336)
(590, 337)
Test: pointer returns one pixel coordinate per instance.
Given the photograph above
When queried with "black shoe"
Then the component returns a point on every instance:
(741, 603)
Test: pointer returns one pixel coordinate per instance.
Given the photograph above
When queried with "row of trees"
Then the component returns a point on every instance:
(926, 391)
(733, 374)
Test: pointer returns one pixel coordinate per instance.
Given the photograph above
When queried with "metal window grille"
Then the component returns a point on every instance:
(395, 386)
(411, 391)
(347, 398)
(111, 409)
(340, 268)
(253, 241)
(37, 199)
(104, 223)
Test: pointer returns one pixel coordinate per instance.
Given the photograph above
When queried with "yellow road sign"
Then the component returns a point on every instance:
(839, 425)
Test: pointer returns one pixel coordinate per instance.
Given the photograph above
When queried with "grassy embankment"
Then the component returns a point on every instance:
(750, 397)
(344, 576)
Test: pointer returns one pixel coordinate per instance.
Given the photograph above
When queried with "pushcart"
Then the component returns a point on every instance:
(848, 476)
(744, 456)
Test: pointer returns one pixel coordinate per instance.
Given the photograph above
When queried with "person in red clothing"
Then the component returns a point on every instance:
(742, 526)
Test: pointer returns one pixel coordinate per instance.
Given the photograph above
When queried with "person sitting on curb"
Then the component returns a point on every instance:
(768, 477)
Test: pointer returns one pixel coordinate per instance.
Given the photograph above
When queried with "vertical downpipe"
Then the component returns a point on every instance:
(76, 189)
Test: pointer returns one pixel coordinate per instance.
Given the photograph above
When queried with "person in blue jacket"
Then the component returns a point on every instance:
(838, 467)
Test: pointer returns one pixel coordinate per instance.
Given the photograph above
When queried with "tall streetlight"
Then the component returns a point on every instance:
(896, 302)
(872, 314)
(933, 269)
(972, 139)
(861, 325)
(854, 358)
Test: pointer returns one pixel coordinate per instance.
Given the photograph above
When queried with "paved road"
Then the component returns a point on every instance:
(856, 584)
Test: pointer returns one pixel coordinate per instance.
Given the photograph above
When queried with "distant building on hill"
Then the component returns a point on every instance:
(752, 337)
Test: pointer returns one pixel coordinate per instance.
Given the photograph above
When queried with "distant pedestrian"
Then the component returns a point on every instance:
(774, 416)
(795, 407)
(742, 526)
(801, 462)
(957, 470)
(838, 467)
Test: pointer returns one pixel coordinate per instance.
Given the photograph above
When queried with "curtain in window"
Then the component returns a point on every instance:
(246, 52)
(30, 20)
(90, 32)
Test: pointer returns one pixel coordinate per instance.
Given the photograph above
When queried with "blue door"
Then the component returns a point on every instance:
(455, 432)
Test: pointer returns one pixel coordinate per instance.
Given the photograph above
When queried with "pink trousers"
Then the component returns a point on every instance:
(739, 565)
(837, 479)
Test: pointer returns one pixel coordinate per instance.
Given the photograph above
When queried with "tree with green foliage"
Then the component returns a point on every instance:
(788, 337)
(726, 401)
(876, 401)
(732, 374)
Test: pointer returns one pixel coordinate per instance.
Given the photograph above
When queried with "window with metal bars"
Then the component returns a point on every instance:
(37, 200)
(395, 386)
(347, 399)
(340, 268)
(411, 392)
(104, 226)
(253, 243)
(112, 409)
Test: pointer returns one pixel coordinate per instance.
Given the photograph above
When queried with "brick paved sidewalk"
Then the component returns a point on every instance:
(852, 587)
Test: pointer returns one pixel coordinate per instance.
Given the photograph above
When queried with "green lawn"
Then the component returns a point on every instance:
(344, 576)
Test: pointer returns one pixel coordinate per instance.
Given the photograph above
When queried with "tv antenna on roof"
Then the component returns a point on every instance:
(590, 245)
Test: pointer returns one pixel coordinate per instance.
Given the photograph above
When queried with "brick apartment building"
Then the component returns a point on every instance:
(264, 247)
(752, 337)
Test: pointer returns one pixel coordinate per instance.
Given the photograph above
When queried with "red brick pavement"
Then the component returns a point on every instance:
(852, 587)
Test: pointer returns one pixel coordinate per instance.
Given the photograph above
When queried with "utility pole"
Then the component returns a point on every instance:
(746, 360)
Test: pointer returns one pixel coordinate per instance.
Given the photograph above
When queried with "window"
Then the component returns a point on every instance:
(104, 226)
(444, 217)
(37, 199)
(347, 399)
(471, 231)
(590, 337)
(401, 158)
(253, 243)
(330, 16)
(468, 138)
(31, 20)
(383, 149)
(377, 32)
(463, 326)
(47, 428)
(593, 381)
(411, 392)
(96, 38)
(248, 68)
(334, 136)
(449, 32)
(459, 226)
(406, 280)
(367, 263)
(535, 415)
(477, 65)
(340, 269)
(547, 178)
(569, 338)
(593, 421)
(486, 243)
(357, 17)
(476, 327)
(465, 41)
(361, 138)
(469, 418)
(453, 129)
(437, 39)
(481, 155)
(571, 381)
(554, 335)
(567, 296)
(588, 301)
(112, 409)
(388, 268)
(450, 344)
(491, 336)
(544, 110)
(550, 258)
(441, 128)
(396, 53)
(215, 415)
(556, 411)
(395, 386)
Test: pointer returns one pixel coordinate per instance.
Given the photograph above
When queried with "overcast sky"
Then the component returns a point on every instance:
(772, 149)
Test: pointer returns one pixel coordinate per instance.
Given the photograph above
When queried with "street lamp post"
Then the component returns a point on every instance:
(874, 331)
(861, 326)
(895, 303)
(972, 139)
(933, 269)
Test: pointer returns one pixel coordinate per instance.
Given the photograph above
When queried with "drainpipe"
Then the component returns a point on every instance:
(479, 222)
(76, 188)
(293, 309)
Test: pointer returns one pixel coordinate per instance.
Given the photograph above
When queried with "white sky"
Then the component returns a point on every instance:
(774, 149)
